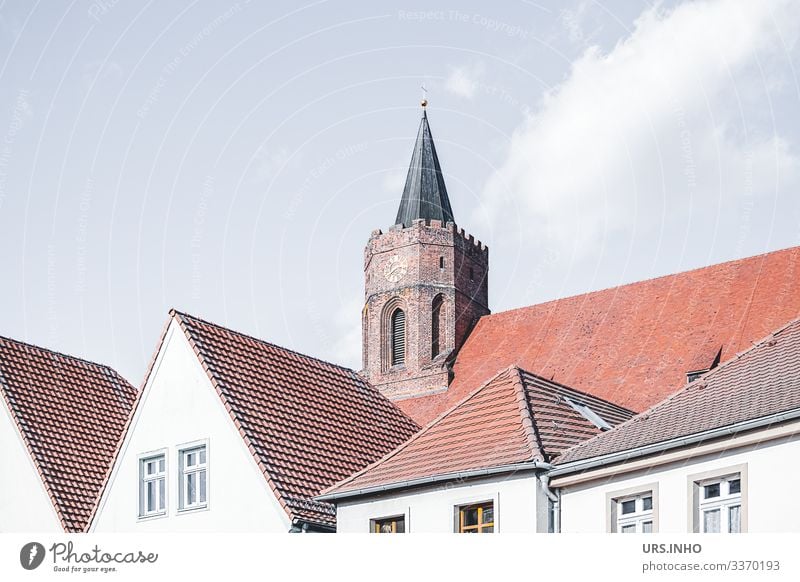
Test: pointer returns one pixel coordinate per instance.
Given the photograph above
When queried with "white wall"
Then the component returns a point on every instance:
(772, 477)
(432, 510)
(178, 406)
(24, 503)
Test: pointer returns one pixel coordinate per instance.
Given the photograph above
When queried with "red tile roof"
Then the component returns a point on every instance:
(516, 417)
(307, 422)
(634, 344)
(71, 415)
(758, 383)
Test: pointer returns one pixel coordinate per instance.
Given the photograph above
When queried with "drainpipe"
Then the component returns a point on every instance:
(555, 499)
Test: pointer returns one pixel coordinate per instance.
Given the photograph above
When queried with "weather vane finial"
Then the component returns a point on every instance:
(424, 101)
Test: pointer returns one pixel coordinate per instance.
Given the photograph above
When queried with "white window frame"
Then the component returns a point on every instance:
(142, 461)
(640, 515)
(615, 520)
(184, 472)
(699, 504)
(723, 503)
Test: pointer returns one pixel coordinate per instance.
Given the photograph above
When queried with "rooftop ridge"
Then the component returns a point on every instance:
(266, 343)
(642, 281)
(61, 354)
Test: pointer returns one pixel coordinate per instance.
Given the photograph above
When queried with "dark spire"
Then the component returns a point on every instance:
(425, 195)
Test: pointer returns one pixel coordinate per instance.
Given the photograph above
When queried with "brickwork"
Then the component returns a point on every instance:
(407, 268)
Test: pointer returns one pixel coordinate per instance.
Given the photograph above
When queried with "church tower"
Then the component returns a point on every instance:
(426, 285)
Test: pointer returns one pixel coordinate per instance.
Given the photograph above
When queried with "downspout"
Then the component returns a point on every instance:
(555, 498)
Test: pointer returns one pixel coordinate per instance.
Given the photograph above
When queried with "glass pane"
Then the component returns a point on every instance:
(489, 529)
(629, 507)
(401, 525)
(734, 486)
(161, 466)
(202, 456)
(385, 527)
(710, 491)
(161, 493)
(711, 521)
(647, 503)
(735, 519)
(470, 531)
(470, 516)
(628, 528)
(150, 496)
(488, 514)
(202, 479)
(191, 489)
(647, 527)
(191, 459)
(150, 467)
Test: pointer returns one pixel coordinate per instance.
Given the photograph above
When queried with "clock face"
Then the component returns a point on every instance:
(395, 269)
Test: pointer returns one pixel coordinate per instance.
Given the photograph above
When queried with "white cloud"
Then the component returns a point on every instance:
(656, 132)
(464, 81)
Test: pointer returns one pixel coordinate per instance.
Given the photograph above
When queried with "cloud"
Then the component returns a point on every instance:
(464, 81)
(666, 128)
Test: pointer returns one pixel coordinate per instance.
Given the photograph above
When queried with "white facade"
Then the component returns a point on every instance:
(519, 505)
(762, 460)
(179, 408)
(24, 503)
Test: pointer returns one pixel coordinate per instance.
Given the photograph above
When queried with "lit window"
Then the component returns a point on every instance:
(398, 337)
(635, 513)
(720, 505)
(194, 477)
(476, 518)
(395, 524)
(152, 485)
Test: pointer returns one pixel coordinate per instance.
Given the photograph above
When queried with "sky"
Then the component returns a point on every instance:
(230, 159)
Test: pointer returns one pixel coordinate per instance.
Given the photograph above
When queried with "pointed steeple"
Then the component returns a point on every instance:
(425, 195)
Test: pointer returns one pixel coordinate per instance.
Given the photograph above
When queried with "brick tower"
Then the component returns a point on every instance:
(426, 285)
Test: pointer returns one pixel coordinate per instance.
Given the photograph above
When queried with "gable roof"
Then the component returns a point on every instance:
(758, 383)
(632, 345)
(424, 195)
(308, 423)
(514, 418)
(71, 414)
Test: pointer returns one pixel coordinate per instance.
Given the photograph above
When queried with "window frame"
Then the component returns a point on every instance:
(182, 450)
(376, 522)
(141, 460)
(614, 500)
(698, 505)
(481, 506)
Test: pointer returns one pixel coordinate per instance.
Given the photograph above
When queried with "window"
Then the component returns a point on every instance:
(633, 510)
(441, 263)
(395, 524)
(471, 274)
(720, 505)
(436, 330)
(398, 337)
(476, 518)
(635, 514)
(193, 477)
(152, 485)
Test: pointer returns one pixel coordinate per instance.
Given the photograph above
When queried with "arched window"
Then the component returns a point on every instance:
(398, 337)
(436, 326)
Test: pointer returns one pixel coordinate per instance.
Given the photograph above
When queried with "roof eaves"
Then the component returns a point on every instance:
(454, 476)
(416, 436)
(663, 446)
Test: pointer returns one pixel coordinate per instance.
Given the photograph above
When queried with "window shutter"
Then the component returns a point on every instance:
(398, 337)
